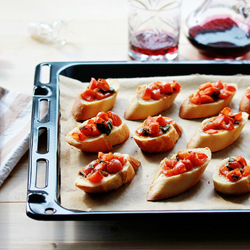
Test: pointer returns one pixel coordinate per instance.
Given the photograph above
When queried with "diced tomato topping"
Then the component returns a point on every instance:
(147, 93)
(156, 94)
(211, 92)
(219, 84)
(92, 84)
(185, 161)
(224, 121)
(248, 94)
(153, 126)
(88, 95)
(96, 177)
(167, 88)
(102, 84)
(235, 169)
(78, 136)
(117, 121)
(176, 87)
(234, 175)
(114, 166)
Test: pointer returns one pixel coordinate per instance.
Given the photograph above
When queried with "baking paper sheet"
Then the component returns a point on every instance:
(132, 196)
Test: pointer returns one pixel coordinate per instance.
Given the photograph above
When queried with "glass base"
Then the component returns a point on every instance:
(144, 57)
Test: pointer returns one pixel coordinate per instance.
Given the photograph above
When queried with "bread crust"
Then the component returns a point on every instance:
(141, 109)
(162, 143)
(245, 103)
(101, 143)
(112, 181)
(217, 141)
(188, 110)
(165, 187)
(224, 186)
(83, 110)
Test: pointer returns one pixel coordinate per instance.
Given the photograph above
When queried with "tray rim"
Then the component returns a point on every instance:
(43, 203)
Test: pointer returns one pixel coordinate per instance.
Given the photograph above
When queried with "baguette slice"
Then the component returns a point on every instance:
(141, 109)
(225, 186)
(245, 102)
(217, 141)
(188, 110)
(83, 110)
(112, 181)
(162, 143)
(101, 143)
(164, 187)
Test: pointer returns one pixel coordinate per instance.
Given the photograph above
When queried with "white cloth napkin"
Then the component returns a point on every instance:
(15, 117)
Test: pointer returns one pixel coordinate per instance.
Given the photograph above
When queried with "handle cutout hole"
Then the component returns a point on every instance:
(41, 173)
(41, 91)
(43, 146)
(50, 210)
(45, 74)
(43, 110)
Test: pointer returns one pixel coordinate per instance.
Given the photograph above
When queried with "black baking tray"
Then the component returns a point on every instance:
(44, 203)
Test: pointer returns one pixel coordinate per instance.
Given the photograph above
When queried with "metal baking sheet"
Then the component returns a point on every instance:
(44, 203)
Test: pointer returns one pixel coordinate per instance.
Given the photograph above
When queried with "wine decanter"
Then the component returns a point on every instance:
(220, 28)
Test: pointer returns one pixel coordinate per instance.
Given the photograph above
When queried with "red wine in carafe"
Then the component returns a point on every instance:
(221, 38)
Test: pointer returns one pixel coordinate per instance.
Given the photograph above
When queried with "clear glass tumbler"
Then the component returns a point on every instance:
(154, 28)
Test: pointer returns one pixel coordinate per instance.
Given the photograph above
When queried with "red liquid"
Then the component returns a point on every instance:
(149, 43)
(221, 38)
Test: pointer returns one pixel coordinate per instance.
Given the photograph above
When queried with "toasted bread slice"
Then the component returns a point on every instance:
(141, 109)
(161, 143)
(245, 102)
(188, 110)
(164, 187)
(223, 185)
(83, 110)
(217, 141)
(112, 180)
(101, 143)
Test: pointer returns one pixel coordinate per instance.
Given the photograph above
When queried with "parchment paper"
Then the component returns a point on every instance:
(132, 196)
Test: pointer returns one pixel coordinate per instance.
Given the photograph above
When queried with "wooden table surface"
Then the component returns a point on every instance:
(97, 32)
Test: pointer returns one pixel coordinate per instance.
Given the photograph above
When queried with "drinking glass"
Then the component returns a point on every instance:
(154, 28)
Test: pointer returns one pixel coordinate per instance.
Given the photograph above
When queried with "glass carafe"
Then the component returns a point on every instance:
(220, 28)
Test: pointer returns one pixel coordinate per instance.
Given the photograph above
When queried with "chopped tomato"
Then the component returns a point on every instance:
(96, 177)
(205, 86)
(248, 94)
(147, 93)
(179, 168)
(167, 88)
(246, 171)
(154, 128)
(196, 99)
(92, 84)
(116, 120)
(234, 165)
(234, 175)
(206, 99)
(212, 131)
(176, 87)
(102, 115)
(219, 84)
(224, 170)
(162, 122)
(98, 94)
(230, 87)
(100, 166)
(241, 160)
(88, 95)
(78, 136)
(224, 94)
(156, 94)
(207, 91)
(114, 166)
(102, 84)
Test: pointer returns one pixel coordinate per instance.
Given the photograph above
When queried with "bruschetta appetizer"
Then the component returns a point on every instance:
(219, 131)
(108, 172)
(245, 102)
(157, 134)
(208, 100)
(232, 176)
(99, 133)
(151, 99)
(99, 95)
(179, 174)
